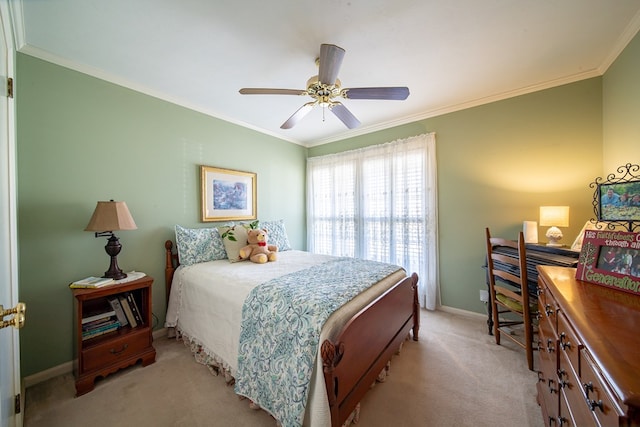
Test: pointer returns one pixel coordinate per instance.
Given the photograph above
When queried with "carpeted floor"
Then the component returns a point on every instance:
(454, 376)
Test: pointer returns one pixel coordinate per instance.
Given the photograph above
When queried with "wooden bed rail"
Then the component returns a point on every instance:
(366, 343)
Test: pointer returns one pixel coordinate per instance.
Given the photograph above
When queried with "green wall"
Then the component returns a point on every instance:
(80, 140)
(621, 112)
(498, 163)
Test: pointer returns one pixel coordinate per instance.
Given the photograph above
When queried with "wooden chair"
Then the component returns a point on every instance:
(508, 292)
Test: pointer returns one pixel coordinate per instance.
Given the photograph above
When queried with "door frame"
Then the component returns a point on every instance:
(10, 369)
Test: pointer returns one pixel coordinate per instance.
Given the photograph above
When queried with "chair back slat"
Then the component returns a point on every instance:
(508, 289)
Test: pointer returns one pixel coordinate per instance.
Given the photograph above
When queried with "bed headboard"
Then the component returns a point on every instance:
(171, 263)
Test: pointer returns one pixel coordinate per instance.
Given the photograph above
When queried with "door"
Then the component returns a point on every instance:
(9, 340)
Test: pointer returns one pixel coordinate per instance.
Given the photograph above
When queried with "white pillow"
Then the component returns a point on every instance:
(234, 238)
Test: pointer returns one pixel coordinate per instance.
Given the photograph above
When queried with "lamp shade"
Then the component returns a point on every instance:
(111, 216)
(557, 216)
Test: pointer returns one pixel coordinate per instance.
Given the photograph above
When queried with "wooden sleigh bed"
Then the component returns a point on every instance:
(363, 345)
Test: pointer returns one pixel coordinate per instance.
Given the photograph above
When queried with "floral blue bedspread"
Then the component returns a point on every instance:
(281, 323)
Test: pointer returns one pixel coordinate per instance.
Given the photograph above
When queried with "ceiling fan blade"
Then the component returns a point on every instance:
(265, 91)
(344, 115)
(298, 115)
(330, 62)
(393, 93)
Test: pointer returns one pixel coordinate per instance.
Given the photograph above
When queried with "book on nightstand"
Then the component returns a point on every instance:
(134, 308)
(117, 307)
(91, 317)
(100, 330)
(127, 311)
(91, 282)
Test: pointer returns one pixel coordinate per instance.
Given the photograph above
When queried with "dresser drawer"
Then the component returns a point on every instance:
(547, 347)
(547, 307)
(572, 395)
(548, 389)
(597, 396)
(114, 351)
(569, 417)
(568, 343)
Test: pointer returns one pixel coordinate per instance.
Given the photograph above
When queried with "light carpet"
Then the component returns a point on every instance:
(454, 376)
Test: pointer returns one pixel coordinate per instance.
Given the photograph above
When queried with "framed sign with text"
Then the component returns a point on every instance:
(611, 258)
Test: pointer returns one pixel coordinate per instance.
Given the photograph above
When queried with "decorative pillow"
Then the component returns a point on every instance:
(277, 234)
(199, 245)
(234, 238)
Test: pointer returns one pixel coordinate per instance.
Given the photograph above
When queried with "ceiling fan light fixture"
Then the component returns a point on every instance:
(325, 87)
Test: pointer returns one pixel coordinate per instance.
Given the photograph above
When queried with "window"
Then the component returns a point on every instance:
(378, 203)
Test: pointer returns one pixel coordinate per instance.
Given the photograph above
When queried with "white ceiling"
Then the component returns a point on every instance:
(452, 54)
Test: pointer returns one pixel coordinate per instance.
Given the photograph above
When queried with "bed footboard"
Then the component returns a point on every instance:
(365, 345)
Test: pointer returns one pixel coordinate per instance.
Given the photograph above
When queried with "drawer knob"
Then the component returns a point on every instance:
(564, 345)
(117, 352)
(550, 347)
(593, 404)
(562, 383)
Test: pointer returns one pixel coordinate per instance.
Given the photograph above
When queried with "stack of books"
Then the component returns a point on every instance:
(127, 309)
(93, 282)
(99, 324)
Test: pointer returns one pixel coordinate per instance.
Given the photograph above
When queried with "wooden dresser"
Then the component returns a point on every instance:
(589, 352)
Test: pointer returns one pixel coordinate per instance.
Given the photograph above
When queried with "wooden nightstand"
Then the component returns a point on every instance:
(105, 354)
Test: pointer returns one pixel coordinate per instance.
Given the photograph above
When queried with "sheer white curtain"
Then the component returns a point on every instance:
(379, 203)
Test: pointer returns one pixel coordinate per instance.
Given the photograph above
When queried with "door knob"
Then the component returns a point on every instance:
(17, 321)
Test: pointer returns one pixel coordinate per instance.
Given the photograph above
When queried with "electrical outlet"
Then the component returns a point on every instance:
(484, 295)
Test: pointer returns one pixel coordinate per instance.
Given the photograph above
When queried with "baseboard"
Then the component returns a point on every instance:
(462, 312)
(67, 367)
(47, 374)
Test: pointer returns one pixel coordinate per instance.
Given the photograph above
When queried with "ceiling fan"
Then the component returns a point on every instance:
(326, 87)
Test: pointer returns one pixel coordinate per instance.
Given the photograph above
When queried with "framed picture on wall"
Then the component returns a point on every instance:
(227, 195)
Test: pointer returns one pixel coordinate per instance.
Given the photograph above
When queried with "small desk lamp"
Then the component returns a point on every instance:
(554, 217)
(111, 216)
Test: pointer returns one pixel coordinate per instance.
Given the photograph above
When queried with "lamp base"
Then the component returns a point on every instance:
(113, 248)
(115, 274)
(554, 235)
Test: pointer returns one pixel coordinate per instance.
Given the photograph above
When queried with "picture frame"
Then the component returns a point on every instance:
(593, 225)
(612, 259)
(227, 194)
(619, 201)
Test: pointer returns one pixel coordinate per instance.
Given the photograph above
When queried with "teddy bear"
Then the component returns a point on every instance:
(258, 250)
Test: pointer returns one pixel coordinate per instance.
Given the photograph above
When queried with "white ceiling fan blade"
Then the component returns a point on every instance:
(266, 91)
(392, 93)
(298, 115)
(344, 115)
(330, 62)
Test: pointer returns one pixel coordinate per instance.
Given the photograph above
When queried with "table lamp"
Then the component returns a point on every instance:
(107, 218)
(554, 217)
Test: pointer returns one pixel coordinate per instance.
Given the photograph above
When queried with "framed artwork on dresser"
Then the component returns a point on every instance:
(620, 201)
(610, 258)
(227, 195)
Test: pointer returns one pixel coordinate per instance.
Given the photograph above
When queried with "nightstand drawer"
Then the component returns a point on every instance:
(115, 351)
